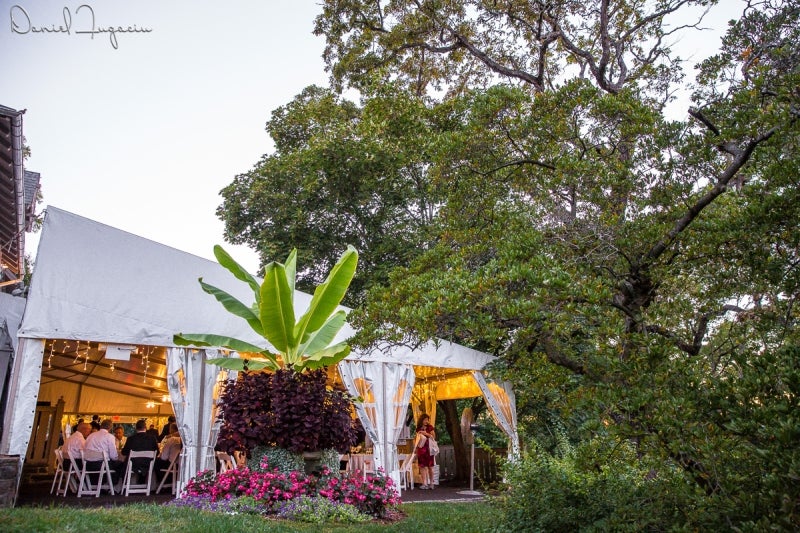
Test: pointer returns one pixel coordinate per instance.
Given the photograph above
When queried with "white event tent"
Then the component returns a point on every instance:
(97, 333)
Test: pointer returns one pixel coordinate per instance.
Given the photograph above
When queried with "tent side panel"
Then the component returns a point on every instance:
(24, 390)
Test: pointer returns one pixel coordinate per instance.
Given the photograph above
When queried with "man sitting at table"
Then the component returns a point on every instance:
(141, 441)
(76, 442)
(104, 441)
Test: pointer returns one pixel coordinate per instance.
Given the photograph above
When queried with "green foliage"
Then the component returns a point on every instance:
(596, 486)
(629, 270)
(319, 510)
(285, 461)
(330, 459)
(302, 345)
(470, 517)
(339, 172)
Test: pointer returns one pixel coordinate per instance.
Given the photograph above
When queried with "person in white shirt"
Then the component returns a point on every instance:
(103, 441)
(77, 441)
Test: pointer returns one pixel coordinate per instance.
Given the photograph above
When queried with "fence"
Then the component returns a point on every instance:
(485, 463)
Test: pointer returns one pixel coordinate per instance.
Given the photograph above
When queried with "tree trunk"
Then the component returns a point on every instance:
(452, 422)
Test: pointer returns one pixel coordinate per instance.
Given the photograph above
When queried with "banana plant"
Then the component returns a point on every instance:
(303, 344)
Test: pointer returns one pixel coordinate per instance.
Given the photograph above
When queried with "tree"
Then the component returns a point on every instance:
(634, 273)
(339, 173)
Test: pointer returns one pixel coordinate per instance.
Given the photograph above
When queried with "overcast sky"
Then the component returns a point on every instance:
(140, 130)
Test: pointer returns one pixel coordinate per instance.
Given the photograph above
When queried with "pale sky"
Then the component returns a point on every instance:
(143, 136)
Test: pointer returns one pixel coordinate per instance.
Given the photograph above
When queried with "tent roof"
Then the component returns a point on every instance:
(93, 282)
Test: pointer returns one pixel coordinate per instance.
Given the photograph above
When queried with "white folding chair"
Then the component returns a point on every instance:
(73, 474)
(86, 484)
(172, 472)
(58, 477)
(225, 462)
(143, 486)
(407, 470)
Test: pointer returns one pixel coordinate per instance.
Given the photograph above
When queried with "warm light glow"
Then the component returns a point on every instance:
(165, 398)
(151, 404)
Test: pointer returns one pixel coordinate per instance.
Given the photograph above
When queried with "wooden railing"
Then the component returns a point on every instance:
(44, 435)
(485, 463)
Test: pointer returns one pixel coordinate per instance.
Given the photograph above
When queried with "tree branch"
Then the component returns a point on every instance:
(740, 157)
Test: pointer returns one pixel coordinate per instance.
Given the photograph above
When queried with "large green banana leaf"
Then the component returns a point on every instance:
(234, 306)
(329, 356)
(206, 339)
(277, 310)
(237, 270)
(328, 295)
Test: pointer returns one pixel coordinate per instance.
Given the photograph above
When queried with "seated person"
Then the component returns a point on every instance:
(165, 430)
(141, 441)
(119, 434)
(76, 442)
(103, 441)
(171, 447)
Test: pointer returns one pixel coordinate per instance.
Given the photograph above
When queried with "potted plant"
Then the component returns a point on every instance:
(290, 407)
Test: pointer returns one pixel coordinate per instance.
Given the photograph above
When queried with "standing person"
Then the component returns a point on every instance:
(425, 431)
(165, 430)
(141, 441)
(77, 441)
(103, 441)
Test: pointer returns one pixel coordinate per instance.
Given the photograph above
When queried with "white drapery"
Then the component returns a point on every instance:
(385, 390)
(191, 383)
(503, 407)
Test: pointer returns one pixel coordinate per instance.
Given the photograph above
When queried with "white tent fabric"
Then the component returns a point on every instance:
(96, 283)
(502, 405)
(382, 415)
(11, 309)
(191, 385)
(23, 392)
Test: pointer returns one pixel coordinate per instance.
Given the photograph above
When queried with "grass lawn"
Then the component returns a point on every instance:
(420, 518)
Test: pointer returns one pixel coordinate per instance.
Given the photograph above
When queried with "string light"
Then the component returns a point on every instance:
(50, 356)
(146, 363)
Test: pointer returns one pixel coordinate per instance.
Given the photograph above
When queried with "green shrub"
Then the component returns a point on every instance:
(319, 510)
(276, 458)
(330, 458)
(596, 486)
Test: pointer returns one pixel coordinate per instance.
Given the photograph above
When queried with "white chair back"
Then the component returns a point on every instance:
(144, 486)
(58, 477)
(170, 472)
(94, 462)
(225, 462)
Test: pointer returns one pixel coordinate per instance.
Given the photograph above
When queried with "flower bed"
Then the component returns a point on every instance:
(324, 497)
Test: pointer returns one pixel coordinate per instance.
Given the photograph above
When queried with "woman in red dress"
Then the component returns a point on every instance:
(424, 458)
